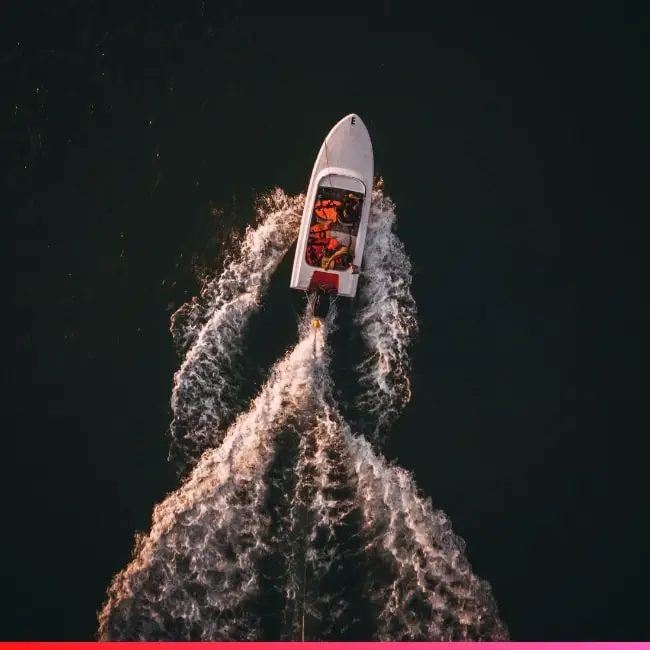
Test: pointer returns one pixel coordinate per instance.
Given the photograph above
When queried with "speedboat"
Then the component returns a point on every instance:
(334, 223)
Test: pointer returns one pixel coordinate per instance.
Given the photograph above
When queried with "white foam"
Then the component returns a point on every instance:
(207, 536)
(212, 328)
(194, 575)
(387, 316)
(433, 595)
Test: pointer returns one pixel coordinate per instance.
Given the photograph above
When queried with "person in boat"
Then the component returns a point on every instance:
(335, 258)
(319, 231)
(328, 248)
(322, 233)
(315, 253)
(319, 236)
(327, 210)
(328, 255)
(349, 210)
(338, 249)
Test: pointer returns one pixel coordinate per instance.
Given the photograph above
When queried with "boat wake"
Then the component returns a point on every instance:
(290, 524)
(386, 318)
(210, 328)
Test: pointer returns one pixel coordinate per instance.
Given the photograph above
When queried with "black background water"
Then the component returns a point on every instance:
(510, 142)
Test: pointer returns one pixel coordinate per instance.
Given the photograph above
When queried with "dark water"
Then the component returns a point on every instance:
(505, 141)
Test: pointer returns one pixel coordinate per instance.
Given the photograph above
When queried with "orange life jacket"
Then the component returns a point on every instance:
(319, 231)
(327, 209)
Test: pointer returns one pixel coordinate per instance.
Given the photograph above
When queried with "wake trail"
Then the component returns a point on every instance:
(192, 576)
(373, 558)
(430, 591)
(210, 329)
(293, 513)
(387, 318)
(323, 518)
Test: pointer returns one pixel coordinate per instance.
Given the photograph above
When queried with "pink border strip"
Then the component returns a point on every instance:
(311, 645)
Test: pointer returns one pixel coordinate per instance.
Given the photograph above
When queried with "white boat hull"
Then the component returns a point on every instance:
(337, 208)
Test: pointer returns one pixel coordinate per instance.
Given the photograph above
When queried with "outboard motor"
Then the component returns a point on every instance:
(321, 303)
